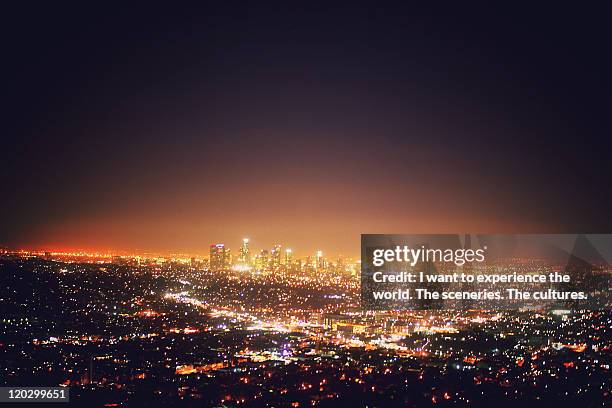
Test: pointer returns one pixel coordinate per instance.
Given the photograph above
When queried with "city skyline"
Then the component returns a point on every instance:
(202, 254)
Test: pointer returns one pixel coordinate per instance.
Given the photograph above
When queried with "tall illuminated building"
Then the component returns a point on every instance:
(340, 268)
(214, 256)
(227, 258)
(262, 261)
(320, 263)
(288, 257)
(309, 266)
(244, 256)
(275, 258)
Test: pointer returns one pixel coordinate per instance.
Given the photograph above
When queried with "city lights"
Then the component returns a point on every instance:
(225, 327)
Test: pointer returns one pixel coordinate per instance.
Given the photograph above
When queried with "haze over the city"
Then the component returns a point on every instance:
(154, 130)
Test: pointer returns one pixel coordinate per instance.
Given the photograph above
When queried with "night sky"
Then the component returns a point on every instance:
(157, 129)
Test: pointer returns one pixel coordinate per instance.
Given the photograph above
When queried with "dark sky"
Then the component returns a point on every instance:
(166, 129)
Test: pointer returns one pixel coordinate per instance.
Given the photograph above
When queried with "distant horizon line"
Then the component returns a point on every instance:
(108, 253)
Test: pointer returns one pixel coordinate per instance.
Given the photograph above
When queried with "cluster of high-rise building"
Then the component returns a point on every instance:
(220, 257)
(275, 259)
